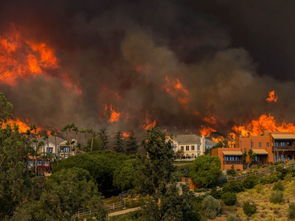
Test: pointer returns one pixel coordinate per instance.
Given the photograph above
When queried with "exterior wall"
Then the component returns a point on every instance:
(257, 142)
(218, 152)
(192, 152)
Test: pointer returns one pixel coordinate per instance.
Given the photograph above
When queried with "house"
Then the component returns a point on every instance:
(55, 147)
(267, 148)
(191, 145)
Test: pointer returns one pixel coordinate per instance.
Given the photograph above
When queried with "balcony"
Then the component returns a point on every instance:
(232, 162)
(284, 148)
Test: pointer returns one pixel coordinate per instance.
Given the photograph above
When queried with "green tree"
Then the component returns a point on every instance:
(5, 108)
(65, 192)
(104, 138)
(158, 165)
(14, 172)
(156, 179)
(131, 144)
(101, 165)
(205, 170)
(125, 176)
(119, 145)
(172, 207)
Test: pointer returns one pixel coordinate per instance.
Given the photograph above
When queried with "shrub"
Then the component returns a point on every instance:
(216, 193)
(229, 198)
(278, 186)
(249, 208)
(234, 186)
(276, 197)
(270, 179)
(233, 217)
(259, 188)
(250, 182)
(211, 207)
(232, 171)
(291, 211)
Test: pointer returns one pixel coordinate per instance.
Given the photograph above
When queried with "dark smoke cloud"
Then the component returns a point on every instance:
(229, 54)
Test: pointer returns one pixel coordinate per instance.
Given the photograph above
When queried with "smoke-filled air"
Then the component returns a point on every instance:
(132, 65)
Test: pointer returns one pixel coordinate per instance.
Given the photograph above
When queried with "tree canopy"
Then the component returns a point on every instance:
(205, 170)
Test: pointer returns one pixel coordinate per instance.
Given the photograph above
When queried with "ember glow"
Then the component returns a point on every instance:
(272, 97)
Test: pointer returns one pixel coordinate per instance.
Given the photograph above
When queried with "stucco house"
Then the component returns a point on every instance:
(191, 145)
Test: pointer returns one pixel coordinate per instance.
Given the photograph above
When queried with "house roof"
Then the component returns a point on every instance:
(51, 139)
(283, 136)
(232, 152)
(187, 139)
(260, 151)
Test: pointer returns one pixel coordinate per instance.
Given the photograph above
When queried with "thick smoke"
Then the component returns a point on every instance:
(121, 55)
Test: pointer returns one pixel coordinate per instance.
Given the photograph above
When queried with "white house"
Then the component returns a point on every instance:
(191, 145)
(56, 146)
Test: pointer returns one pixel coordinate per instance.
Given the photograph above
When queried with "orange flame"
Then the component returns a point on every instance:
(206, 131)
(20, 58)
(149, 124)
(22, 126)
(175, 88)
(126, 134)
(263, 123)
(114, 115)
(272, 97)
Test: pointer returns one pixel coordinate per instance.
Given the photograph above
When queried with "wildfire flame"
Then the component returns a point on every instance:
(126, 134)
(21, 58)
(23, 126)
(264, 123)
(114, 115)
(175, 88)
(272, 97)
(206, 131)
(149, 124)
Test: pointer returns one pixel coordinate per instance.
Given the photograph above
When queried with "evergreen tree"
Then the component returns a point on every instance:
(104, 138)
(131, 144)
(119, 143)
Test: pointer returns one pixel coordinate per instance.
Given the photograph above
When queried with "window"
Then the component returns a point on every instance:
(198, 148)
(187, 147)
(252, 144)
(49, 150)
(192, 147)
(267, 144)
(65, 149)
(259, 144)
(182, 148)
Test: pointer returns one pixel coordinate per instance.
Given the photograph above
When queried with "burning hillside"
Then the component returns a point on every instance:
(115, 67)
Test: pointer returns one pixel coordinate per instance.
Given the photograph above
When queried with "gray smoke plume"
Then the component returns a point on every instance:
(226, 54)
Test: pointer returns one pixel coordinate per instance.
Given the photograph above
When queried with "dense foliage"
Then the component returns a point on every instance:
(101, 165)
(64, 193)
(205, 171)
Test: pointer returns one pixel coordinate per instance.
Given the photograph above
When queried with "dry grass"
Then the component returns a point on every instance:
(266, 210)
